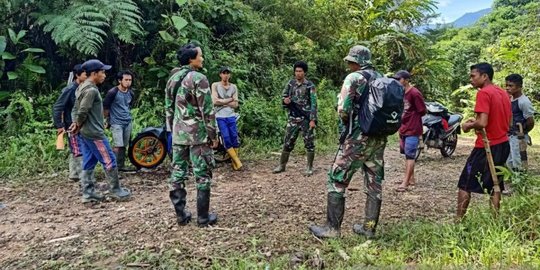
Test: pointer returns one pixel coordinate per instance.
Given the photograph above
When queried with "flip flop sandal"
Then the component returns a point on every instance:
(401, 189)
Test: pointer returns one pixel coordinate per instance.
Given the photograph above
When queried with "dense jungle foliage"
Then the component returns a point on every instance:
(260, 39)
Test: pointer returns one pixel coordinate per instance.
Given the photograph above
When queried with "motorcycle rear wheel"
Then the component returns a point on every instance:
(449, 145)
(147, 151)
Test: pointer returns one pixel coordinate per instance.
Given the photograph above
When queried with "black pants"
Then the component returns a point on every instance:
(476, 176)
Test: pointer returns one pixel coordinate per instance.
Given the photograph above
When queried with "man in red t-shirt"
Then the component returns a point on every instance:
(411, 128)
(493, 112)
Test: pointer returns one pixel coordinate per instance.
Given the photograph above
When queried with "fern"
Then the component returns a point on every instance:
(84, 25)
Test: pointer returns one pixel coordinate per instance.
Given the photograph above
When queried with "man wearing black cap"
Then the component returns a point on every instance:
(225, 98)
(411, 126)
(88, 121)
(62, 120)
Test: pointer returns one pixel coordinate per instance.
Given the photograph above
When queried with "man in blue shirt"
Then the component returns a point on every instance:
(117, 105)
(62, 120)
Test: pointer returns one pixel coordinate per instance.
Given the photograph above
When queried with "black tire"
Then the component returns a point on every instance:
(449, 145)
(420, 149)
(418, 152)
(220, 154)
(147, 151)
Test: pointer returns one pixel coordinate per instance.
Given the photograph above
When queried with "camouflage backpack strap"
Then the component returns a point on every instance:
(175, 89)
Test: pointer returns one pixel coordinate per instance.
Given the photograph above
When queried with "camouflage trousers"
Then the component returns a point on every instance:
(359, 152)
(201, 157)
(294, 126)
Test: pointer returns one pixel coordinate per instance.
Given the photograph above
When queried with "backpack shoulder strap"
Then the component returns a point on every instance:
(175, 90)
(366, 75)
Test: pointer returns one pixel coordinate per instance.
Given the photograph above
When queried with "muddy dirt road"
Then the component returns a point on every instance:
(44, 221)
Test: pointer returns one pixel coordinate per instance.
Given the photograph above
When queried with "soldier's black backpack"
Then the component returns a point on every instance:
(380, 106)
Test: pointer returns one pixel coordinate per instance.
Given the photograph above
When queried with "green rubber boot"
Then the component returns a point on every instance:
(282, 162)
(309, 169)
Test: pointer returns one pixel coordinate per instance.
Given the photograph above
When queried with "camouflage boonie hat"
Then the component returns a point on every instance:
(359, 54)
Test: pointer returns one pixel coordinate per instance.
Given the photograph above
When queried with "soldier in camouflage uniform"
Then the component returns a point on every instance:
(300, 99)
(357, 151)
(191, 118)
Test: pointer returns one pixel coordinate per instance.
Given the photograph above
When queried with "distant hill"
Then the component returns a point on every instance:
(466, 20)
(470, 18)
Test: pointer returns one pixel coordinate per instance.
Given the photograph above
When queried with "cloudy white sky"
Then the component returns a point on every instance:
(451, 10)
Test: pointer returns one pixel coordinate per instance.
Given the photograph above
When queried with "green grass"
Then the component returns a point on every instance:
(481, 241)
(32, 154)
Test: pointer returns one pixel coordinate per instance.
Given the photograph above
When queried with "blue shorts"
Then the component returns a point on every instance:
(409, 146)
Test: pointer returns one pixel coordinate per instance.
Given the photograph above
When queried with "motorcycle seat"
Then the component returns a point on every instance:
(454, 118)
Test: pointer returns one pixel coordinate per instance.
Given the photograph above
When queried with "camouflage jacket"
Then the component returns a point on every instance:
(191, 118)
(303, 96)
(353, 86)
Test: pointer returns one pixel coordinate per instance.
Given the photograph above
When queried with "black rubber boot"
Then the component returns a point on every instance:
(178, 199)
(372, 212)
(282, 162)
(310, 158)
(116, 191)
(121, 161)
(89, 194)
(335, 210)
(203, 205)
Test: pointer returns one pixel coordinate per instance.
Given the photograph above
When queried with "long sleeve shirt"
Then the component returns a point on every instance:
(304, 95)
(89, 111)
(189, 108)
(63, 106)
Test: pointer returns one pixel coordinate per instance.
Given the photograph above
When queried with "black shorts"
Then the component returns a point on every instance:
(476, 176)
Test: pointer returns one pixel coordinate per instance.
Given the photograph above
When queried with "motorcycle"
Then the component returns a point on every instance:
(151, 146)
(440, 129)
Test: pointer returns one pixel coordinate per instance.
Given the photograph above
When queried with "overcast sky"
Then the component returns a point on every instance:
(451, 10)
